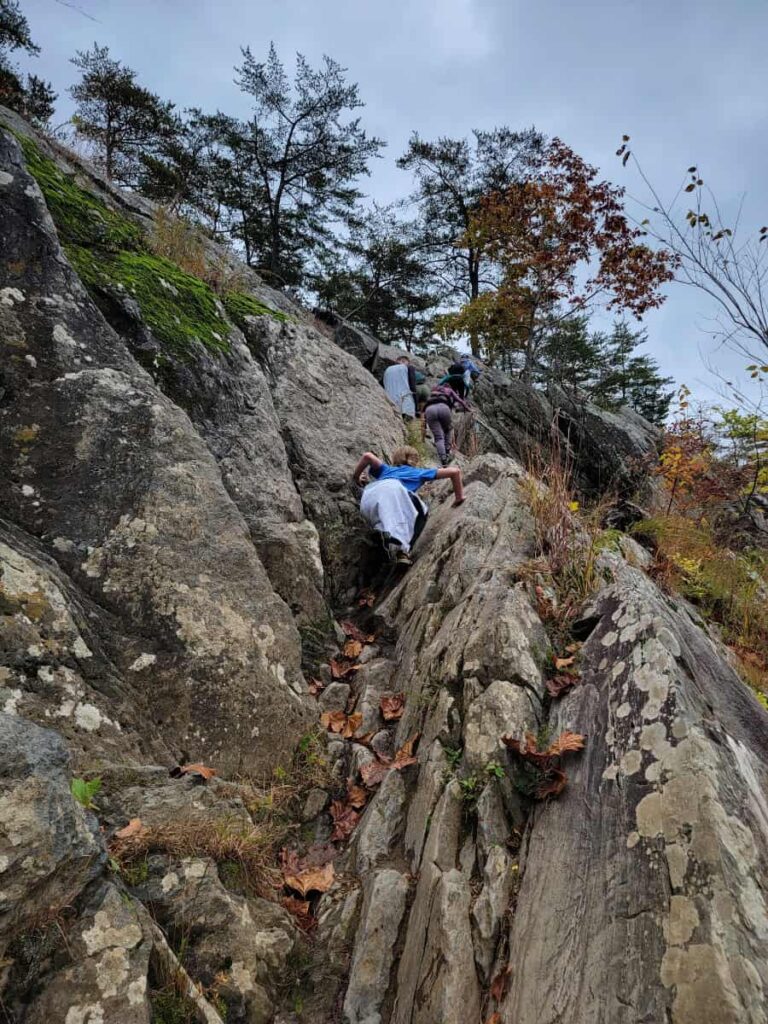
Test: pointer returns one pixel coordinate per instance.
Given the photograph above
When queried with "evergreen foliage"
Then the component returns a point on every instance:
(31, 96)
(121, 118)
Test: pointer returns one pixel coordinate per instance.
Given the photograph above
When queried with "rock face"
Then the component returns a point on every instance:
(658, 846)
(178, 513)
(48, 845)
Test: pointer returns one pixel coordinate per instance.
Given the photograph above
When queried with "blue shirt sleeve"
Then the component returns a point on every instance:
(411, 477)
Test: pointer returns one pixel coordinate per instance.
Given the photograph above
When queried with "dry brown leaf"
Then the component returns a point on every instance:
(354, 722)
(356, 795)
(316, 686)
(198, 769)
(345, 821)
(333, 720)
(561, 663)
(553, 784)
(311, 880)
(495, 1018)
(301, 911)
(367, 599)
(405, 755)
(352, 649)
(373, 772)
(339, 670)
(364, 739)
(341, 723)
(558, 685)
(134, 826)
(392, 707)
(566, 741)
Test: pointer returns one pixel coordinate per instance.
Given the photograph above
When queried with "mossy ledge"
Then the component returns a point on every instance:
(240, 307)
(180, 310)
(110, 254)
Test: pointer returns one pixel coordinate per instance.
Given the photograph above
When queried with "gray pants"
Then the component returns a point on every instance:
(440, 423)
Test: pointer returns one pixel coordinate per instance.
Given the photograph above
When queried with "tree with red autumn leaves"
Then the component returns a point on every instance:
(562, 243)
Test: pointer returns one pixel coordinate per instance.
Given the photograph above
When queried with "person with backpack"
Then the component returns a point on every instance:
(455, 379)
(389, 502)
(438, 416)
(400, 385)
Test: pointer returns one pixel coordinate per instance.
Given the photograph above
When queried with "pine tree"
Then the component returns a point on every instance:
(382, 281)
(293, 164)
(31, 96)
(629, 379)
(124, 120)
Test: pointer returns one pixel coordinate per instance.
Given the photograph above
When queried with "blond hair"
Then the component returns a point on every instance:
(405, 456)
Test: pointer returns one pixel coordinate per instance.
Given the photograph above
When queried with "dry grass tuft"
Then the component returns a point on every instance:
(254, 849)
(181, 242)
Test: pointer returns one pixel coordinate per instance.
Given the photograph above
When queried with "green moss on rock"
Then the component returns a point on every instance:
(179, 309)
(80, 218)
(240, 306)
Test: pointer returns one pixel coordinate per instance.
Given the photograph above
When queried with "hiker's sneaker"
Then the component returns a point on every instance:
(394, 551)
(403, 559)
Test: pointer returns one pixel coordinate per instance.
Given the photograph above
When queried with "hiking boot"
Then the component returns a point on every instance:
(403, 558)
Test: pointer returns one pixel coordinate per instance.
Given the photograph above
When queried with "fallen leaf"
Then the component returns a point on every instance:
(367, 599)
(572, 648)
(352, 649)
(553, 784)
(405, 755)
(500, 982)
(316, 686)
(345, 821)
(373, 772)
(300, 909)
(356, 795)
(134, 826)
(198, 769)
(561, 663)
(392, 707)
(566, 741)
(495, 1018)
(341, 723)
(364, 739)
(353, 631)
(339, 670)
(558, 685)
(311, 880)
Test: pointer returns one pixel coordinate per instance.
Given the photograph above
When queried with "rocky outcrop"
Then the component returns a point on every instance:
(659, 846)
(178, 515)
(640, 893)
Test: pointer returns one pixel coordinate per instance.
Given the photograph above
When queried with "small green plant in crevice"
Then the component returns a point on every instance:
(135, 873)
(470, 787)
(453, 756)
(84, 790)
(495, 770)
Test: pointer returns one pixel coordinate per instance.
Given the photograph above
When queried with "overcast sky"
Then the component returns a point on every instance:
(686, 79)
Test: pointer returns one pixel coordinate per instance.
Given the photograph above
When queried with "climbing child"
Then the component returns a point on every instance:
(439, 418)
(390, 504)
(400, 385)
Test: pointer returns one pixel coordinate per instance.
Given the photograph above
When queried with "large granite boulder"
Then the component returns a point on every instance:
(111, 478)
